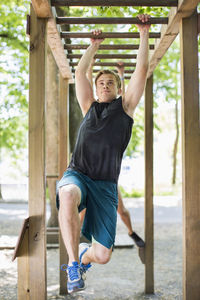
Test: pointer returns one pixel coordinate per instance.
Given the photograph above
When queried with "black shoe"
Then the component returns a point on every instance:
(138, 241)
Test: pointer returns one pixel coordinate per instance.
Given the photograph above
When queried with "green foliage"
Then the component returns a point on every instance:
(167, 74)
(13, 75)
(14, 67)
(137, 136)
(133, 194)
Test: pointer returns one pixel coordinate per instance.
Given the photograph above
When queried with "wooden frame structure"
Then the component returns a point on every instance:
(45, 28)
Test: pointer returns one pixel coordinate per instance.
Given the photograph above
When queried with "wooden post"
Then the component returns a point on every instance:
(37, 205)
(52, 83)
(190, 157)
(63, 162)
(23, 291)
(22, 254)
(149, 246)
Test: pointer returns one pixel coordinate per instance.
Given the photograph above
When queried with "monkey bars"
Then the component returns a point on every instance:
(45, 27)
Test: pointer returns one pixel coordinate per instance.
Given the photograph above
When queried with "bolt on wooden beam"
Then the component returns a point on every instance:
(122, 35)
(105, 56)
(104, 47)
(150, 3)
(77, 20)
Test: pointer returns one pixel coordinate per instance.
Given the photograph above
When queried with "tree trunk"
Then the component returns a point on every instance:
(1, 197)
(175, 150)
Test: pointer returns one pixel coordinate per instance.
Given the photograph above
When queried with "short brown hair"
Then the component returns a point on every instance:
(101, 72)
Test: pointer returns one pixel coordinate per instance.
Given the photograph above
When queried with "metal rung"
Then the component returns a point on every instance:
(106, 64)
(122, 35)
(77, 20)
(105, 56)
(130, 71)
(105, 47)
(150, 3)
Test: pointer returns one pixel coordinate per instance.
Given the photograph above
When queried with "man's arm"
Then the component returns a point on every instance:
(120, 70)
(84, 91)
(138, 79)
(90, 72)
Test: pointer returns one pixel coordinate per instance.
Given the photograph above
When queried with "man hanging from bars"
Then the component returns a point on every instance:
(90, 180)
(122, 210)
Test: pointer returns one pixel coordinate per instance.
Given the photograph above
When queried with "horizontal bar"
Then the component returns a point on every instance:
(105, 47)
(105, 56)
(77, 20)
(105, 64)
(97, 70)
(52, 176)
(122, 35)
(157, 3)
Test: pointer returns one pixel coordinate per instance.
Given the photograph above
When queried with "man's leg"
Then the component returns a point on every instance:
(70, 198)
(82, 216)
(97, 253)
(125, 216)
(124, 213)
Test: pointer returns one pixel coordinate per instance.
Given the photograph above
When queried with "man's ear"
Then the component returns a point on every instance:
(120, 92)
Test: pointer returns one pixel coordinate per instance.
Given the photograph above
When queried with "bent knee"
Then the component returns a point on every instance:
(103, 256)
(71, 193)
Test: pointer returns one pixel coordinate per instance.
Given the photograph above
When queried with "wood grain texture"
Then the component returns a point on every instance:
(37, 187)
(149, 216)
(190, 157)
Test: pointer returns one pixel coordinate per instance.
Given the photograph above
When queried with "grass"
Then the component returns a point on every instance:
(167, 190)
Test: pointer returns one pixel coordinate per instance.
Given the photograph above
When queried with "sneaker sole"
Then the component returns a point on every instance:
(76, 290)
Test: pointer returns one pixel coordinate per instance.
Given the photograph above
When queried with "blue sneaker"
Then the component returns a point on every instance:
(75, 281)
(83, 247)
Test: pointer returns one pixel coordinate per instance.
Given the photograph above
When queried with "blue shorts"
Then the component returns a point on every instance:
(101, 200)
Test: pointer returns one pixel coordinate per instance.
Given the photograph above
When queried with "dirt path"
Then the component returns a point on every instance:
(122, 277)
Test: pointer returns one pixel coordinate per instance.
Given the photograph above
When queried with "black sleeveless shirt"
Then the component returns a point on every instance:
(102, 139)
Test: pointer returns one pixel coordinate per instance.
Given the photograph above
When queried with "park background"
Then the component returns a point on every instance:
(167, 137)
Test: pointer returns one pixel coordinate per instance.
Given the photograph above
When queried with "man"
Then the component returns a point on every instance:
(121, 209)
(91, 178)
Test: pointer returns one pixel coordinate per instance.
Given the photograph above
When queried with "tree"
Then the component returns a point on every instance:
(167, 79)
(13, 78)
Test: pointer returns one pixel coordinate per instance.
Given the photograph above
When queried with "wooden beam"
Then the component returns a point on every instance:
(97, 70)
(43, 9)
(190, 157)
(77, 20)
(63, 125)
(106, 64)
(170, 31)
(105, 56)
(51, 135)
(149, 245)
(37, 186)
(57, 48)
(23, 287)
(63, 162)
(24, 228)
(105, 47)
(122, 35)
(114, 3)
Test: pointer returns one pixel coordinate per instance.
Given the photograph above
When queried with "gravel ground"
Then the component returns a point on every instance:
(122, 277)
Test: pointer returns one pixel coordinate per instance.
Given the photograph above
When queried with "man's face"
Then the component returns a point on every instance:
(106, 88)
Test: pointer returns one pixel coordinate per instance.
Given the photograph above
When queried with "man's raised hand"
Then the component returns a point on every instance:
(97, 37)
